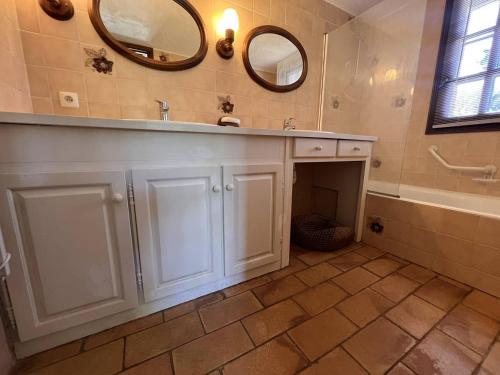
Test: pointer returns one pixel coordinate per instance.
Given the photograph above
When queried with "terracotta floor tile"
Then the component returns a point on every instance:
(161, 365)
(364, 307)
(383, 266)
(337, 362)
(48, 357)
(355, 280)
(122, 331)
(322, 333)
(441, 293)
(370, 252)
(247, 285)
(395, 287)
(379, 346)
(491, 365)
(104, 360)
(190, 306)
(295, 265)
(162, 338)
(470, 328)
(222, 313)
(416, 273)
(317, 274)
(279, 290)
(278, 357)
(400, 369)
(211, 351)
(348, 261)
(415, 316)
(312, 257)
(273, 321)
(441, 355)
(484, 303)
(320, 298)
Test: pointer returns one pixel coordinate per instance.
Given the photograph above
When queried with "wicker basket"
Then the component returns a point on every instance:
(316, 232)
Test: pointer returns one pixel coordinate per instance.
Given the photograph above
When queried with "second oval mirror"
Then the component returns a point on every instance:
(275, 59)
(161, 34)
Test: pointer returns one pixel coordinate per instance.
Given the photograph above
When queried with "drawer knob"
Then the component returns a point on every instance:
(356, 148)
(229, 187)
(117, 198)
(216, 189)
(318, 148)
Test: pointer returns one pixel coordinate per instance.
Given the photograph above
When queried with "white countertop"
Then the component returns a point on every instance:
(160, 126)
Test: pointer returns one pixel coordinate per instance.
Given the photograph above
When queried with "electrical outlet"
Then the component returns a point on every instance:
(69, 99)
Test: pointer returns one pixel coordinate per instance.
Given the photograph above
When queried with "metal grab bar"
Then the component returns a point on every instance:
(488, 170)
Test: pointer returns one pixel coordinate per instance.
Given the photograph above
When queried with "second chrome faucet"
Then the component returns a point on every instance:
(164, 108)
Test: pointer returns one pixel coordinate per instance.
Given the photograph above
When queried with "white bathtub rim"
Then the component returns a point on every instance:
(484, 205)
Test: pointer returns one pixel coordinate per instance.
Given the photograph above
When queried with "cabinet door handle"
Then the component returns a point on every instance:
(356, 148)
(318, 148)
(229, 187)
(216, 189)
(117, 198)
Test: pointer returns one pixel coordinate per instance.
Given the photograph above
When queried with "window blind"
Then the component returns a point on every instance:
(467, 83)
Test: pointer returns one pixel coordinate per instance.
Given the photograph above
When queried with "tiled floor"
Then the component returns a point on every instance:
(355, 311)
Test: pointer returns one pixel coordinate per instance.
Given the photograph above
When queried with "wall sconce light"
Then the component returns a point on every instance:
(227, 26)
(61, 10)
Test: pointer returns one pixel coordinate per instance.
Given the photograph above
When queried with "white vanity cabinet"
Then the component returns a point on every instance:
(179, 223)
(130, 218)
(72, 257)
(253, 201)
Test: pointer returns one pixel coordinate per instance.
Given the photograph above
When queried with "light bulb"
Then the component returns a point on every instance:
(229, 21)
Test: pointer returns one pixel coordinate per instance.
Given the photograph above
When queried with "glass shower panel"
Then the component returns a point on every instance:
(370, 75)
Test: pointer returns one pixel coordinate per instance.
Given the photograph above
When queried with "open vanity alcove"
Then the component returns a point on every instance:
(111, 220)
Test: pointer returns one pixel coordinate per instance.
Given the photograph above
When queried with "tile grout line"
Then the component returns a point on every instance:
(434, 327)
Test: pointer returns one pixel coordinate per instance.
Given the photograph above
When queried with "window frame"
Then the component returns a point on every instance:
(483, 124)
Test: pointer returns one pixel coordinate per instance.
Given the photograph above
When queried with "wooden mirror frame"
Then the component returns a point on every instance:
(95, 18)
(270, 29)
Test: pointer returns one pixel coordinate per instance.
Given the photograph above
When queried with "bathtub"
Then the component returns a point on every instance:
(470, 203)
(455, 234)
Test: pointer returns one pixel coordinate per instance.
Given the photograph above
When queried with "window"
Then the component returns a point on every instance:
(466, 94)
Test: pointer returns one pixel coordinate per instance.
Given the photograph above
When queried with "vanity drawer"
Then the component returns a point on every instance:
(354, 149)
(315, 148)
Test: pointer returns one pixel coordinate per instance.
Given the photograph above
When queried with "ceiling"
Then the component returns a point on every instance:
(354, 7)
(267, 50)
(160, 24)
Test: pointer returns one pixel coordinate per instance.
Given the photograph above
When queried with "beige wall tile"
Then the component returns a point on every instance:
(42, 105)
(39, 81)
(27, 15)
(62, 53)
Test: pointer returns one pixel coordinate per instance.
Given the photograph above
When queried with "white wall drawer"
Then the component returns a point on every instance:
(354, 149)
(315, 148)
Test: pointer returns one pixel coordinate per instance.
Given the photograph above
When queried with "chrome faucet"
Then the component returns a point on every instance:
(164, 108)
(288, 124)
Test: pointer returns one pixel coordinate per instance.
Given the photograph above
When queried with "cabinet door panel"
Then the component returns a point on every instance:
(73, 258)
(179, 220)
(253, 203)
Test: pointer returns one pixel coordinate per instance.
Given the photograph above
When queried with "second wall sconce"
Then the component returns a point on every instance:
(227, 26)
(61, 10)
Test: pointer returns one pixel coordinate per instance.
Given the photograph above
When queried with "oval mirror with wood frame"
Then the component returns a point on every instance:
(275, 59)
(159, 34)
